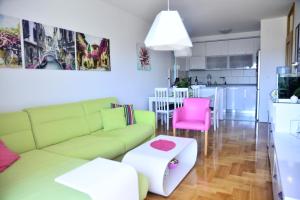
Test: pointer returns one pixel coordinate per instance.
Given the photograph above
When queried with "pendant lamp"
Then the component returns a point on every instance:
(168, 33)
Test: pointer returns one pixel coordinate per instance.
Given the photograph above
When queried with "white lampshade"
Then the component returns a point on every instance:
(168, 33)
(186, 52)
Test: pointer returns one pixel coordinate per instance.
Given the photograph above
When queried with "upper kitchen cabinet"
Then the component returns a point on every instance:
(198, 49)
(218, 48)
(256, 44)
(184, 63)
(243, 46)
(197, 62)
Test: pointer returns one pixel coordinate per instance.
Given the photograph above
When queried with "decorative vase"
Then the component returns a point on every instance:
(294, 99)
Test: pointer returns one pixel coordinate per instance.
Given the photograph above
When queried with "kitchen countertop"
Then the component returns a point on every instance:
(231, 85)
(288, 150)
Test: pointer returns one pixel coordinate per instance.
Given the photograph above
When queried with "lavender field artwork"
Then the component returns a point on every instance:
(10, 43)
(48, 47)
(143, 57)
(93, 53)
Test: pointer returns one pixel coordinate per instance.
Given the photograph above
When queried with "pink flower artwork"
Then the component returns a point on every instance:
(143, 55)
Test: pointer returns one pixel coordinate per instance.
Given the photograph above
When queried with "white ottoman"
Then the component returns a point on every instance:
(103, 179)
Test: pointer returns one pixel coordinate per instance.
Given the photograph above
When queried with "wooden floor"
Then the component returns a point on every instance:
(236, 167)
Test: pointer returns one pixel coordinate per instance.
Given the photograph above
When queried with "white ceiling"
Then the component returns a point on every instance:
(207, 17)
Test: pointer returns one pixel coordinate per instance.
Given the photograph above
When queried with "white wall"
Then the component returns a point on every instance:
(27, 88)
(273, 37)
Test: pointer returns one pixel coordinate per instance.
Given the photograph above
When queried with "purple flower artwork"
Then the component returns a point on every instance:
(93, 53)
(10, 43)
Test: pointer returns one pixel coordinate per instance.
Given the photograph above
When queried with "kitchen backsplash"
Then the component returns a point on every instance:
(235, 76)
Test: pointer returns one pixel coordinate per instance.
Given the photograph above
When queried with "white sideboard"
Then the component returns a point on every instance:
(282, 115)
(284, 150)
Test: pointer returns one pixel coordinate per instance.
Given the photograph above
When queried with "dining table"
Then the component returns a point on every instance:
(207, 92)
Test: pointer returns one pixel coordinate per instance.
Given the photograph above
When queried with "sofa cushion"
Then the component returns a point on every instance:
(131, 136)
(7, 157)
(89, 147)
(54, 124)
(15, 131)
(32, 178)
(128, 112)
(113, 118)
(92, 109)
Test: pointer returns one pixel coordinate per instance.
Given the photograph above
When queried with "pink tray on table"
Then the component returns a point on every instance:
(163, 145)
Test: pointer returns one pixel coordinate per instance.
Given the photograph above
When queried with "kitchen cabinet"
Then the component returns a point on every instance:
(224, 54)
(241, 46)
(197, 62)
(218, 48)
(256, 45)
(241, 98)
(198, 49)
(241, 61)
(184, 63)
(249, 98)
(216, 62)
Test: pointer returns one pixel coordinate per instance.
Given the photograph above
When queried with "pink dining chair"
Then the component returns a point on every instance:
(194, 115)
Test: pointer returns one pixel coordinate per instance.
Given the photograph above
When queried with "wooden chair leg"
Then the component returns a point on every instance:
(167, 120)
(174, 131)
(186, 133)
(156, 119)
(206, 143)
(215, 123)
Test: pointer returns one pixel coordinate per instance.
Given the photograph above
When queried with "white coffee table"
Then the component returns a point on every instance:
(103, 179)
(153, 163)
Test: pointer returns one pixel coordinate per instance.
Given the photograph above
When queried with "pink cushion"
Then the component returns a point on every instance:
(191, 125)
(163, 145)
(7, 157)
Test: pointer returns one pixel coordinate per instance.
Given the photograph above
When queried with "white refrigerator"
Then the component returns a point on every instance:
(258, 84)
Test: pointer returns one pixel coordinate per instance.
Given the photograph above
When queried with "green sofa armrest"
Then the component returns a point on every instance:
(145, 117)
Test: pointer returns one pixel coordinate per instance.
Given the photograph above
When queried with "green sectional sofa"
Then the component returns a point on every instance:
(52, 140)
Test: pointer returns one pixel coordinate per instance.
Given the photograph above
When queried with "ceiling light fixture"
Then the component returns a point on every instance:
(168, 33)
(225, 31)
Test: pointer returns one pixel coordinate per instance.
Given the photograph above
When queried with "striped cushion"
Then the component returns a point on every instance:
(128, 111)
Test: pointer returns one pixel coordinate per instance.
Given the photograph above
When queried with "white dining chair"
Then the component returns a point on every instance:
(196, 90)
(179, 95)
(215, 109)
(162, 105)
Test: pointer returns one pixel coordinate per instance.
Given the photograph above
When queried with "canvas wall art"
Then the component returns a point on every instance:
(297, 44)
(10, 42)
(93, 53)
(143, 57)
(48, 47)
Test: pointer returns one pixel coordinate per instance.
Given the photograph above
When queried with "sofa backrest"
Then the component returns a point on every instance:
(15, 131)
(93, 109)
(57, 123)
